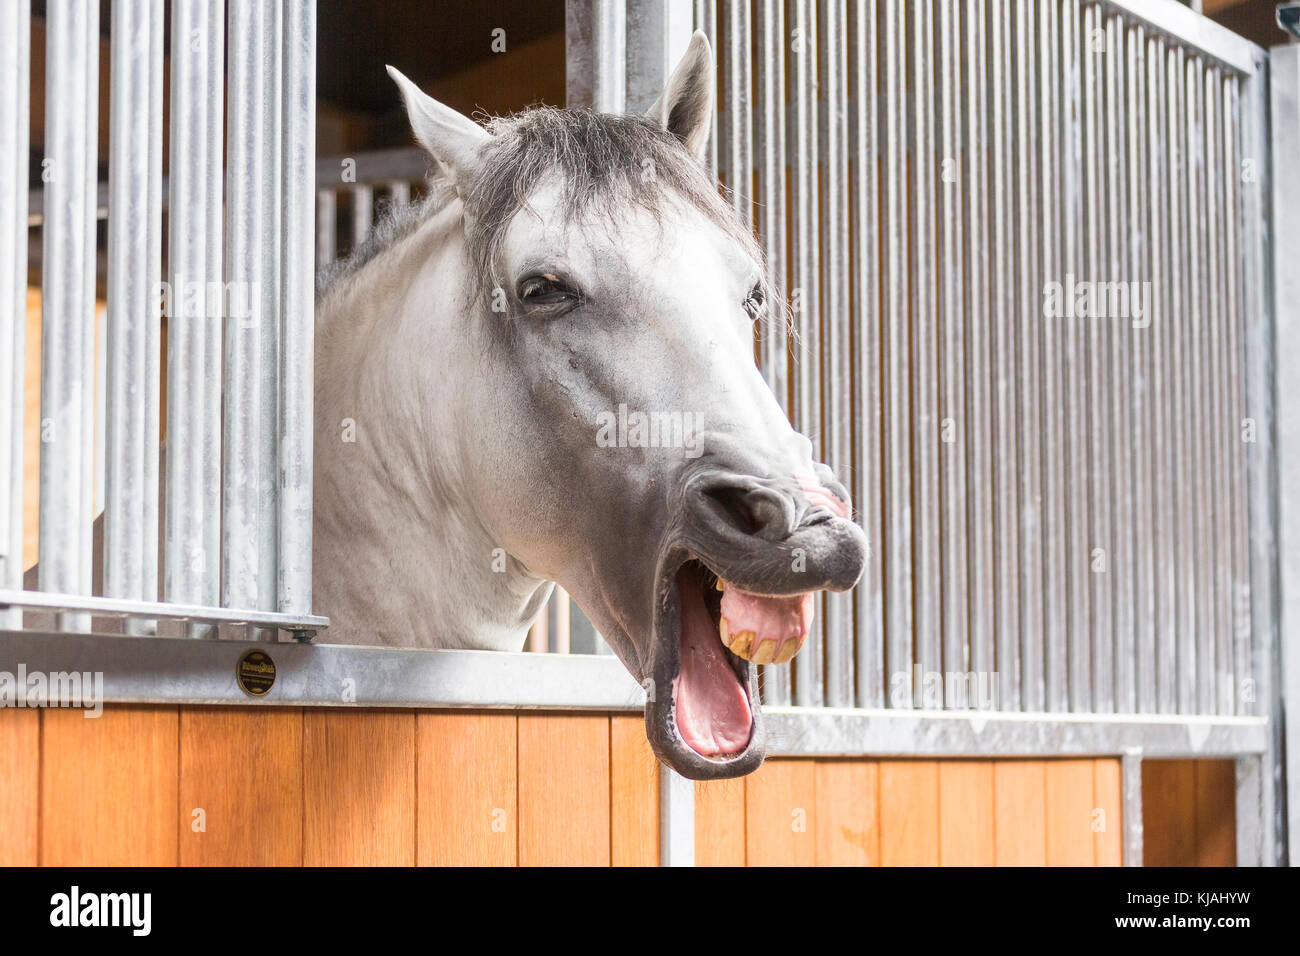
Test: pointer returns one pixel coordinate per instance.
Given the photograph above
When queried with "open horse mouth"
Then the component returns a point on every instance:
(707, 724)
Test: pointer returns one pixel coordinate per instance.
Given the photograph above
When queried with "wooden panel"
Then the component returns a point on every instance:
(108, 787)
(909, 813)
(563, 790)
(1216, 816)
(1020, 813)
(1168, 813)
(847, 813)
(633, 794)
(780, 801)
(1108, 825)
(1069, 813)
(358, 788)
(20, 763)
(465, 780)
(243, 769)
(966, 834)
(720, 822)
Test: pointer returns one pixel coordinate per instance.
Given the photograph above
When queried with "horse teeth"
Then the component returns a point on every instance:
(720, 584)
(722, 631)
(741, 646)
(787, 652)
(766, 651)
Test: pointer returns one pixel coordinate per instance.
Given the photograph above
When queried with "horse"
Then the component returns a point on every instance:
(544, 372)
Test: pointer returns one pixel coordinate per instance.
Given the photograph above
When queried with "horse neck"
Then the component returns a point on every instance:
(400, 555)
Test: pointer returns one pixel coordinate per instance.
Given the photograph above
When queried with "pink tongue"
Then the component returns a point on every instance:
(713, 714)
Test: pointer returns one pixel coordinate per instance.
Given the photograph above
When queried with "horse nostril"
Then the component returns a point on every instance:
(755, 511)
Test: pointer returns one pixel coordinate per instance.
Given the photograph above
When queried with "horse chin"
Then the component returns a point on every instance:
(703, 719)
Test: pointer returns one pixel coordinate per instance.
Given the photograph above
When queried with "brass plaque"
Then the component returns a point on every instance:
(255, 673)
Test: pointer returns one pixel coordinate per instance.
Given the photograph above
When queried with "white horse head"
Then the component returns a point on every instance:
(550, 374)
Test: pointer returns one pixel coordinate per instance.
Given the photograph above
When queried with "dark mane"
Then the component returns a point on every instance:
(608, 164)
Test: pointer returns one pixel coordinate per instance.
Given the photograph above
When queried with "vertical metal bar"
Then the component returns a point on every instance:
(1284, 140)
(134, 328)
(1052, 414)
(190, 561)
(1098, 271)
(594, 59)
(1079, 545)
(896, 547)
(836, 331)
(1221, 427)
(979, 355)
(399, 194)
(925, 358)
(1030, 213)
(865, 188)
(1261, 301)
(326, 227)
(1006, 466)
(954, 433)
(15, 40)
(298, 155)
(1199, 385)
(807, 379)
(68, 299)
(249, 167)
(1232, 165)
(1252, 812)
(1130, 777)
(1180, 355)
(272, 311)
(657, 36)
(1145, 449)
(740, 117)
(363, 198)
(706, 19)
(676, 819)
(1159, 152)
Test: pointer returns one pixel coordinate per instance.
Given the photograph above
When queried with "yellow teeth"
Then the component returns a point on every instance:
(766, 651)
(742, 644)
(721, 585)
(787, 652)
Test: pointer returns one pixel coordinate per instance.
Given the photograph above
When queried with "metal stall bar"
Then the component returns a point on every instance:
(954, 436)
(191, 557)
(594, 54)
(15, 41)
(896, 543)
(298, 175)
(1261, 455)
(925, 347)
(978, 348)
(706, 19)
(807, 308)
(773, 350)
(68, 300)
(326, 228)
(740, 118)
(657, 35)
(869, 660)
(249, 493)
(1284, 141)
(1029, 213)
(363, 205)
(1003, 346)
(134, 328)
(1052, 414)
(1138, 691)
(1080, 547)
(836, 331)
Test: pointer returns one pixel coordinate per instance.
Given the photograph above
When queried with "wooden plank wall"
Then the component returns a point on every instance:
(288, 786)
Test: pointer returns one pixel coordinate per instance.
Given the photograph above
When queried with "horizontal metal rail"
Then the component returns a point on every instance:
(121, 607)
(175, 670)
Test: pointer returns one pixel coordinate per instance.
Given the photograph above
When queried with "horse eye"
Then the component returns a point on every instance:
(754, 302)
(546, 290)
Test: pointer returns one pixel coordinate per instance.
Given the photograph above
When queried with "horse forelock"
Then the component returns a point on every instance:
(609, 165)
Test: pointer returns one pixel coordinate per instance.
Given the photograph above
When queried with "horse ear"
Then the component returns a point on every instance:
(451, 138)
(685, 107)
